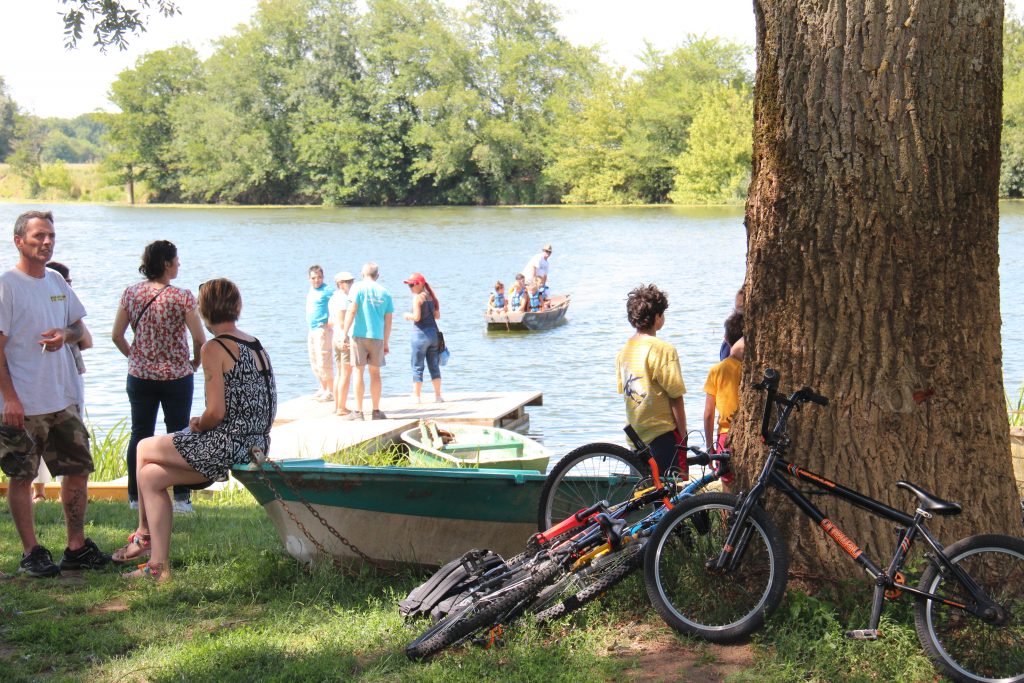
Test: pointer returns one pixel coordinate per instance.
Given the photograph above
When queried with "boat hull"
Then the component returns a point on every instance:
(530, 320)
(398, 514)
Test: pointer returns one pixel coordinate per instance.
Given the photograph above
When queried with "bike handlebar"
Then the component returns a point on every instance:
(634, 437)
(808, 394)
(703, 458)
(770, 383)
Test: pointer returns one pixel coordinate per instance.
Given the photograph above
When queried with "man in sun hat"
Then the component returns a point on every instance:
(39, 315)
(538, 266)
(337, 307)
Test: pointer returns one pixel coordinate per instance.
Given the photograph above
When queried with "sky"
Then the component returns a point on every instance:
(47, 80)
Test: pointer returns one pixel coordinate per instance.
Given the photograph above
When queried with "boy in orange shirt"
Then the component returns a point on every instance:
(723, 387)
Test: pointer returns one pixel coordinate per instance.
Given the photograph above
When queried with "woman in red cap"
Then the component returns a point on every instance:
(425, 311)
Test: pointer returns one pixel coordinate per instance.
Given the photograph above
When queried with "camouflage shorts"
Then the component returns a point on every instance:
(61, 440)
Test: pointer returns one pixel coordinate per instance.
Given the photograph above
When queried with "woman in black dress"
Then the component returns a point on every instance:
(241, 401)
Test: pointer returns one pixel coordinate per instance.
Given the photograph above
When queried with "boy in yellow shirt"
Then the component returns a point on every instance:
(650, 380)
(723, 387)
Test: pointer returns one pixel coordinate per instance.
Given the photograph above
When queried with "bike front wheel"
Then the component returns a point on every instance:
(585, 475)
(965, 647)
(578, 588)
(478, 612)
(720, 606)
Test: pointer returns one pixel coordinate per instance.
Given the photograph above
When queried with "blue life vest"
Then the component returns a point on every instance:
(536, 299)
(517, 299)
(499, 299)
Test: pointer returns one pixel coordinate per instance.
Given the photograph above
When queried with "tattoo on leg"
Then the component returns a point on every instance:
(74, 509)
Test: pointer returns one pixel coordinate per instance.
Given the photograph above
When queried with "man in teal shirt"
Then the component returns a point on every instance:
(369, 319)
(318, 342)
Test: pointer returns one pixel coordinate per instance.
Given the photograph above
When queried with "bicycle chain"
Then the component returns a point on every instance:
(313, 511)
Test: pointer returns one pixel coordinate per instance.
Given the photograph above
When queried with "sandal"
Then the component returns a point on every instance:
(142, 548)
(148, 570)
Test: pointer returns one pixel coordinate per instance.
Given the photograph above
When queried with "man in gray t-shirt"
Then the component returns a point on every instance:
(39, 315)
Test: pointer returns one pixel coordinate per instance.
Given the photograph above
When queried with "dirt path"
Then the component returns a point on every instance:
(658, 656)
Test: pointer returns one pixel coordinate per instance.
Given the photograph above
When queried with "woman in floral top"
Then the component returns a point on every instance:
(159, 367)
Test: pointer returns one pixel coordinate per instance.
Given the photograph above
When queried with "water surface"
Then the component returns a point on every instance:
(696, 255)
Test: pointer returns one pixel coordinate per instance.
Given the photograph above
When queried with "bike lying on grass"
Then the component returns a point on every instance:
(564, 567)
(716, 566)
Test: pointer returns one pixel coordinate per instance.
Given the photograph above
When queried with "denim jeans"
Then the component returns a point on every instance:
(145, 397)
(424, 347)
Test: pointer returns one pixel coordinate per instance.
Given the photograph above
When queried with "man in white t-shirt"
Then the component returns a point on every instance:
(337, 308)
(39, 314)
(538, 266)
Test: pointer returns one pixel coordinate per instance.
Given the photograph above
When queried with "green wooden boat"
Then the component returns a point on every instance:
(397, 514)
(473, 446)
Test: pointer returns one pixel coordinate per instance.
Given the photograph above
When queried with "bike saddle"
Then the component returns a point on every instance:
(930, 503)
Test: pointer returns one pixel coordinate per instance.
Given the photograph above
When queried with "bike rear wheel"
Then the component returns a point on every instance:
(576, 589)
(965, 647)
(585, 475)
(482, 611)
(718, 606)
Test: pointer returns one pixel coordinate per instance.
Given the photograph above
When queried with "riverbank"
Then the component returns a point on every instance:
(239, 609)
(88, 184)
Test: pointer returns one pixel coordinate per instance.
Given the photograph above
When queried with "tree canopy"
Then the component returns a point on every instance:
(112, 21)
(410, 102)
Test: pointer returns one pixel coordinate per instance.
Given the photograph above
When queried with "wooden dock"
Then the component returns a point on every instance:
(306, 428)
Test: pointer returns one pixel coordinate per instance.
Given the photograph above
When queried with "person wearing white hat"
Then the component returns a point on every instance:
(538, 266)
(336, 307)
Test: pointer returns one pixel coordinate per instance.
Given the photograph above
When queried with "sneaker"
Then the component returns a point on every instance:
(183, 507)
(133, 504)
(86, 557)
(378, 415)
(323, 396)
(38, 563)
(354, 415)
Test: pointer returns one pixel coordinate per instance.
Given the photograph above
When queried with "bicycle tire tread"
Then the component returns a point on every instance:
(605, 581)
(436, 639)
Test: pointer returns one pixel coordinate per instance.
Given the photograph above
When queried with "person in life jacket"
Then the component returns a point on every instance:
(544, 290)
(497, 301)
(536, 298)
(518, 298)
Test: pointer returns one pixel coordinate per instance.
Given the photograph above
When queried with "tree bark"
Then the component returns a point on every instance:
(872, 270)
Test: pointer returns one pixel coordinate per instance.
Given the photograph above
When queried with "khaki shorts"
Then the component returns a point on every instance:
(342, 353)
(61, 440)
(318, 343)
(367, 352)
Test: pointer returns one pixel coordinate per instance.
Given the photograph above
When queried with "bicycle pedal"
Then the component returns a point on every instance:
(864, 634)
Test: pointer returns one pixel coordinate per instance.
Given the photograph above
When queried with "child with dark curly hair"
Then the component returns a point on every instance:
(650, 380)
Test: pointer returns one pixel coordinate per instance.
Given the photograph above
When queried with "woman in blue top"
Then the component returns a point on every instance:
(425, 311)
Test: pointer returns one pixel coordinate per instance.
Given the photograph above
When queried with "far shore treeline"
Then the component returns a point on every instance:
(409, 102)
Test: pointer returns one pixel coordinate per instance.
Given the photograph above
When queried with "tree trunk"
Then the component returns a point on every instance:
(872, 271)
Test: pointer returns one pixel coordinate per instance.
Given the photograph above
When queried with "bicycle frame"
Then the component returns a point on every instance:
(777, 473)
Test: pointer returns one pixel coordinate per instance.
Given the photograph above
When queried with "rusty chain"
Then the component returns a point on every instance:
(313, 511)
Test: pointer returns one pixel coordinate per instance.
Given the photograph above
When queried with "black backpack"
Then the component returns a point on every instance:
(436, 595)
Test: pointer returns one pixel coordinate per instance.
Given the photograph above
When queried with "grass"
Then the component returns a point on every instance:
(1015, 408)
(62, 182)
(239, 609)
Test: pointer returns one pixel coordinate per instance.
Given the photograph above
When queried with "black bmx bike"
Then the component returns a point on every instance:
(716, 565)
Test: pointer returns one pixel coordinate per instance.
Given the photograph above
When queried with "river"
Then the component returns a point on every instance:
(695, 255)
